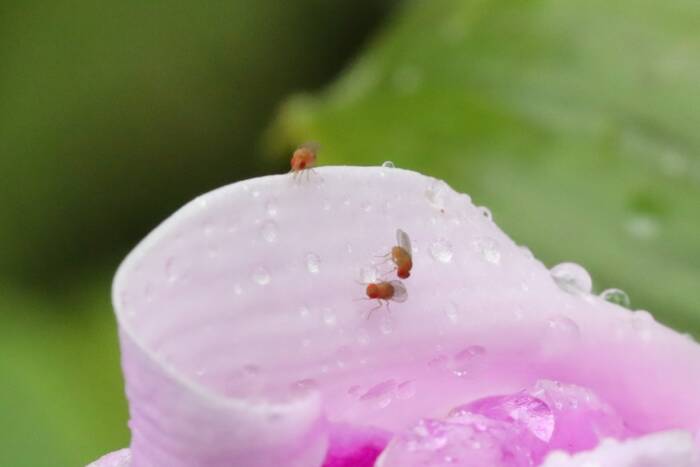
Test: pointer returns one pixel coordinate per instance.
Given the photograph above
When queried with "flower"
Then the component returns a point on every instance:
(245, 340)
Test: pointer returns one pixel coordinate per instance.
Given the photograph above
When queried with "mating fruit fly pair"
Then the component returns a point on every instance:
(393, 291)
(303, 161)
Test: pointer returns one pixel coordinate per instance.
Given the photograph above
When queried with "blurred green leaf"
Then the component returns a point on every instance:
(62, 396)
(113, 114)
(575, 122)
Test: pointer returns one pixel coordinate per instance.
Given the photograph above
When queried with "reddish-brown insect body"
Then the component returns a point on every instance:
(401, 255)
(385, 292)
(304, 158)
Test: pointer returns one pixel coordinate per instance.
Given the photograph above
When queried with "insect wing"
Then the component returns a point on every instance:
(403, 241)
(400, 294)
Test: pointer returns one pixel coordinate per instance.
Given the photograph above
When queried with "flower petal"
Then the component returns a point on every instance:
(241, 333)
(664, 449)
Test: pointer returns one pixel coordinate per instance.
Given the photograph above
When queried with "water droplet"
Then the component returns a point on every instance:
(526, 252)
(237, 289)
(148, 292)
(305, 385)
(381, 394)
(306, 343)
(439, 361)
(488, 248)
(368, 275)
(441, 250)
(572, 277)
(304, 312)
(355, 391)
(641, 321)
(329, 317)
(406, 390)
(366, 206)
(271, 208)
(269, 231)
(363, 337)
(486, 212)
(171, 270)
(313, 263)
(388, 165)
(564, 327)
(451, 312)
(261, 276)
(437, 194)
(616, 296)
(386, 326)
(466, 361)
(326, 205)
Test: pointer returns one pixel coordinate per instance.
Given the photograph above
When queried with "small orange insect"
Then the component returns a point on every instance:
(304, 158)
(385, 292)
(401, 255)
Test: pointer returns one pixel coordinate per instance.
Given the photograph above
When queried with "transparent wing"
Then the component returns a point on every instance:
(311, 146)
(400, 294)
(403, 241)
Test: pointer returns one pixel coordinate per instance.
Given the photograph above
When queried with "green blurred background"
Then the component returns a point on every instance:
(575, 122)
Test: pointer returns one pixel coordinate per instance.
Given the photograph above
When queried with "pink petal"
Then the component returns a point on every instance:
(241, 337)
(664, 449)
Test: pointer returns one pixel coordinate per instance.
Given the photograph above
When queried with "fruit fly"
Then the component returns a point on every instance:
(385, 292)
(304, 158)
(401, 255)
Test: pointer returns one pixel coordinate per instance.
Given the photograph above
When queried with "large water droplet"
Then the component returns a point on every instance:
(441, 250)
(572, 277)
(388, 165)
(437, 194)
(261, 276)
(268, 230)
(488, 248)
(616, 296)
(313, 263)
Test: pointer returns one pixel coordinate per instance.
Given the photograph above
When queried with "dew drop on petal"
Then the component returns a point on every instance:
(561, 326)
(441, 250)
(237, 289)
(437, 194)
(386, 326)
(313, 263)
(268, 231)
(261, 276)
(451, 312)
(329, 317)
(406, 390)
(388, 165)
(488, 248)
(271, 208)
(381, 394)
(304, 312)
(616, 296)
(572, 277)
